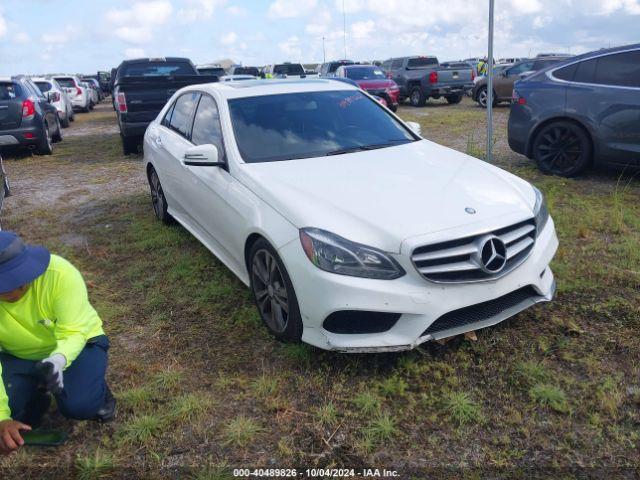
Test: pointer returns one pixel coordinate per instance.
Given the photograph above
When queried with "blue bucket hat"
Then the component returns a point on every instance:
(20, 263)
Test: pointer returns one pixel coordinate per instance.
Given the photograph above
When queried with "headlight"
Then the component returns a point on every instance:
(540, 211)
(335, 254)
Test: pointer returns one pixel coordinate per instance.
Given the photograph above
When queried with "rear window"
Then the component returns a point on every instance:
(156, 69)
(333, 66)
(43, 86)
(219, 71)
(288, 69)
(365, 73)
(66, 82)
(422, 62)
(9, 91)
(246, 71)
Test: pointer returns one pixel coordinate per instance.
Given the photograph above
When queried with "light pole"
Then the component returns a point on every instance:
(324, 52)
(490, 86)
(344, 30)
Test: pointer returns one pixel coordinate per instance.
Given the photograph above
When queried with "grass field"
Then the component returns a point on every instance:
(203, 388)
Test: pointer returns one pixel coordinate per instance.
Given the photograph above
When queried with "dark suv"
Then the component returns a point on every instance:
(584, 110)
(26, 117)
(328, 69)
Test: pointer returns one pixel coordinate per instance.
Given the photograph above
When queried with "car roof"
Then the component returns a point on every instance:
(254, 88)
(41, 79)
(6, 79)
(155, 59)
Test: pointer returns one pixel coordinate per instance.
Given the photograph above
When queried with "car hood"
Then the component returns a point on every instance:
(374, 84)
(382, 197)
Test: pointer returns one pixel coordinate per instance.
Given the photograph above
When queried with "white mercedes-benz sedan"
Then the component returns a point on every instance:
(352, 231)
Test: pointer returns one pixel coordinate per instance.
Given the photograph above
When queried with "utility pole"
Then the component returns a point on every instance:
(344, 30)
(324, 52)
(490, 87)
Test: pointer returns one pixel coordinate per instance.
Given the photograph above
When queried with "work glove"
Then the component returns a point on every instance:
(51, 368)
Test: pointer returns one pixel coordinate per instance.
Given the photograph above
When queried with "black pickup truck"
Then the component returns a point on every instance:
(422, 77)
(142, 87)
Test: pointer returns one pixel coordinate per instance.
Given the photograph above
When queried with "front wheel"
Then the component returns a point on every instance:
(562, 148)
(45, 147)
(483, 97)
(393, 108)
(273, 293)
(158, 199)
(417, 97)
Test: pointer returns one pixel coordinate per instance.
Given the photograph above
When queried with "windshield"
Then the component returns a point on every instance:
(66, 82)
(365, 73)
(246, 71)
(311, 124)
(288, 69)
(422, 62)
(156, 69)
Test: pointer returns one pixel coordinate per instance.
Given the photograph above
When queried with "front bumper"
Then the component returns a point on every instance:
(418, 302)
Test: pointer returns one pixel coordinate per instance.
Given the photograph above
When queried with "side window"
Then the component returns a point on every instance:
(566, 73)
(182, 113)
(206, 124)
(386, 64)
(166, 121)
(620, 69)
(397, 63)
(586, 71)
(340, 72)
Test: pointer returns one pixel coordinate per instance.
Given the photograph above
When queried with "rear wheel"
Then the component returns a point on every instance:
(57, 135)
(417, 98)
(129, 145)
(273, 293)
(453, 99)
(562, 148)
(393, 108)
(158, 199)
(45, 147)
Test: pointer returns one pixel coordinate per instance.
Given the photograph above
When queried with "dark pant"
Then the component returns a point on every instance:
(84, 384)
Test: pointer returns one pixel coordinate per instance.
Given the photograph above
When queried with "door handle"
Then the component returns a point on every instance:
(158, 142)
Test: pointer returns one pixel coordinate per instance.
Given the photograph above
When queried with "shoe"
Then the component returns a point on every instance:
(108, 411)
(38, 406)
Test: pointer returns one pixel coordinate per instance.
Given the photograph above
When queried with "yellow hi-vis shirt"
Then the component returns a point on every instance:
(54, 316)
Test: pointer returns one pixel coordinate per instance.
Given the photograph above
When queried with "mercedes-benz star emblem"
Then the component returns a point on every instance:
(470, 210)
(492, 254)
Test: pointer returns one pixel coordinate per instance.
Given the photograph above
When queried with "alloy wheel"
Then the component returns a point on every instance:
(482, 98)
(157, 195)
(415, 97)
(270, 290)
(559, 150)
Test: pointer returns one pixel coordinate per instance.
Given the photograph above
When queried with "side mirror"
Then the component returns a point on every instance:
(203, 156)
(415, 127)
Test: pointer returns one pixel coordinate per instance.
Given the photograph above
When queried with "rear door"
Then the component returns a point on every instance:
(605, 92)
(172, 141)
(503, 83)
(10, 105)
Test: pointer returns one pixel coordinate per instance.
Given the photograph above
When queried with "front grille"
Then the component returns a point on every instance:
(481, 311)
(460, 260)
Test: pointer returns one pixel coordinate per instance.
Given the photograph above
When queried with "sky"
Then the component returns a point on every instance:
(80, 36)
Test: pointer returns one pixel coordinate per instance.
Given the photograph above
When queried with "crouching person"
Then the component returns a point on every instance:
(51, 340)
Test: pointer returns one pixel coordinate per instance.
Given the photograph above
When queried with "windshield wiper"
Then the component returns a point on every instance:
(361, 148)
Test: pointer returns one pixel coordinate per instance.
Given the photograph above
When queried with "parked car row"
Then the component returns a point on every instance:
(34, 110)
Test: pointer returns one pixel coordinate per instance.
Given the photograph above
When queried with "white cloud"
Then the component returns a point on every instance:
(195, 10)
(291, 48)
(291, 8)
(527, 6)
(229, 38)
(350, 6)
(67, 35)
(320, 23)
(22, 37)
(363, 29)
(136, 24)
(134, 52)
(237, 11)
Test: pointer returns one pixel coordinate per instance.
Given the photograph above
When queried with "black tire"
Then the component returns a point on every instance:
(453, 99)
(65, 121)
(562, 148)
(158, 200)
(482, 97)
(57, 136)
(273, 293)
(393, 108)
(45, 146)
(72, 116)
(417, 97)
(129, 145)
